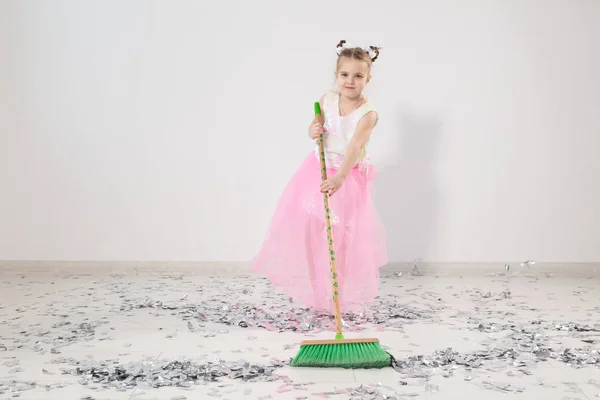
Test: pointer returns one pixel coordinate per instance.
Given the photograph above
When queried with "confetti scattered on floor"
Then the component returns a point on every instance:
(145, 335)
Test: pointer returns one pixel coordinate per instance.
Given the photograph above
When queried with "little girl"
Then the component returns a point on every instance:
(295, 254)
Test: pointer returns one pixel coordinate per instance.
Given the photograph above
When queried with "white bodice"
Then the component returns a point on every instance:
(339, 130)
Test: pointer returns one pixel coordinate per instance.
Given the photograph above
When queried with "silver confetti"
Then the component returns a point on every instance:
(527, 263)
(345, 324)
(415, 268)
(432, 388)
(169, 373)
(386, 312)
(517, 344)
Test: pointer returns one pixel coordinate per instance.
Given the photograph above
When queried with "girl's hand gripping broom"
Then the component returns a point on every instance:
(339, 352)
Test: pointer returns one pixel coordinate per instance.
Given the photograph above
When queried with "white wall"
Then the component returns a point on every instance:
(138, 130)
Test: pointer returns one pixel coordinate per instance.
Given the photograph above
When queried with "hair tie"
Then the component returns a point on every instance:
(340, 47)
(373, 52)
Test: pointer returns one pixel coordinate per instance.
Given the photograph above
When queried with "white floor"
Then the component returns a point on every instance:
(53, 321)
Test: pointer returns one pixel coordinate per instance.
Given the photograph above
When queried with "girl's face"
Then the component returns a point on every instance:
(352, 77)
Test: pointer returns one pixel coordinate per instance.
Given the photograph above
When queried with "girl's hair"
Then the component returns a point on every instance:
(356, 53)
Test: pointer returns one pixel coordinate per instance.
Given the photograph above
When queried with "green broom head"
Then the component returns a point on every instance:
(345, 353)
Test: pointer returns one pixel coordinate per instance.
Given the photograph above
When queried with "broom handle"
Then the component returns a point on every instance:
(336, 301)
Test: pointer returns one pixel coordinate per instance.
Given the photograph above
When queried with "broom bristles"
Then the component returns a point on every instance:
(347, 353)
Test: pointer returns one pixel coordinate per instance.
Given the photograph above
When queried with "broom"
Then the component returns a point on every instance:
(339, 352)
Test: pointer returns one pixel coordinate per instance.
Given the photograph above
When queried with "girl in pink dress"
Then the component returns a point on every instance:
(295, 254)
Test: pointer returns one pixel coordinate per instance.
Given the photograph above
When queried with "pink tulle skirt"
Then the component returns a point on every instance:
(295, 253)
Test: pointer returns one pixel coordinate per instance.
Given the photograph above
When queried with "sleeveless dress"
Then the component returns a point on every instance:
(295, 254)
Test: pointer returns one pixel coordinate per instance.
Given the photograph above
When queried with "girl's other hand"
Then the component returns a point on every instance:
(332, 185)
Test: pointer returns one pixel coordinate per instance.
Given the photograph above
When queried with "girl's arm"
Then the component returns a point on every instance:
(360, 139)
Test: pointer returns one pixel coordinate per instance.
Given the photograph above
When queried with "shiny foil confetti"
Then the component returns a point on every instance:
(432, 388)
(284, 318)
(527, 263)
(514, 335)
(415, 268)
(168, 373)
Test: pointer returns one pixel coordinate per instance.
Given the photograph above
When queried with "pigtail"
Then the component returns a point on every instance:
(376, 51)
(340, 48)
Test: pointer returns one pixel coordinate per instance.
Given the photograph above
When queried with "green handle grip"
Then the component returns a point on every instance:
(317, 108)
